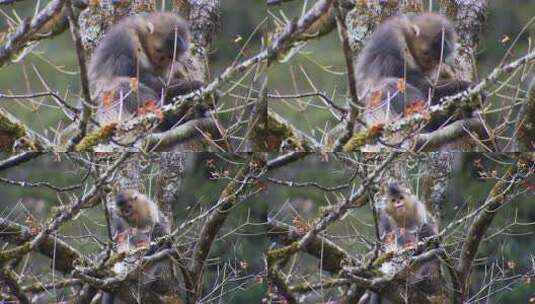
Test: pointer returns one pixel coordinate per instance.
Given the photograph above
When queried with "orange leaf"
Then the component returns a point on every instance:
(134, 84)
(418, 106)
(150, 106)
(401, 85)
(377, 129)
(108, 129)
(376, 99)
(107, 99)
(301, 225)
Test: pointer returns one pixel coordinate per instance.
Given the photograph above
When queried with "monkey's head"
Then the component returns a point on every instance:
(165, 37)
(127, 202)
(430, 37)
(399, 202)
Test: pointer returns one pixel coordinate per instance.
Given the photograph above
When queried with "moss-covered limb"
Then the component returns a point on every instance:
(526, 121)
(9, 277)
(278, 290)
(282, 135)
(100, 135)
(327, 283)
(40, 287)
(12, 253)
(332, 255)
(15, 136)
(360, 139)
(51, 247)
(9, 133)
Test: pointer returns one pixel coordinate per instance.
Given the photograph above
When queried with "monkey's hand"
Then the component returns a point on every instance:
(179, 87)
(122, 241)
(388, 238)
(410, 244)
(143, 244)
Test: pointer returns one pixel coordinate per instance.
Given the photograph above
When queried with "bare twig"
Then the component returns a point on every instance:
(18, 159)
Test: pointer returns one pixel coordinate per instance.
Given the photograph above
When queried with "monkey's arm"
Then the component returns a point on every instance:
(179, 87)
(444, 89)
(426, 230)
(448, 88)
(386, 224)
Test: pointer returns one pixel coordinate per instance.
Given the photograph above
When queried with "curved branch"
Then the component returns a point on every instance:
(191, 129)
(427, 142)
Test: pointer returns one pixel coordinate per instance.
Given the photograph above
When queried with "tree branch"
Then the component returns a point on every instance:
(18, 159)
(18, 39)
(52, 247)
(498, 197)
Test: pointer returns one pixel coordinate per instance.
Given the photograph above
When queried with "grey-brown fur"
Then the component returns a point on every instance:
(143, 47)
(137, 219)
(408, 47)
(403, 222)
(140, 212)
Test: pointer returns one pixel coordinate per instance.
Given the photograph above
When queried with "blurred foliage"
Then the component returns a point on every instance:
(55, 60)
(235, 258)
(320, 63)
(242, 239)
(510, 239)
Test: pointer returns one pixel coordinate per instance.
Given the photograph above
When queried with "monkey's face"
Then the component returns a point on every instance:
(124, 201)
(430, 40)
(167, 39)
(397, 203)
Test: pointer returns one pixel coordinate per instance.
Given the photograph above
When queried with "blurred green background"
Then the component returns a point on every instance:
(55, 60)
(235, 262)
(506, 252)
(510, 240)
(320, 65)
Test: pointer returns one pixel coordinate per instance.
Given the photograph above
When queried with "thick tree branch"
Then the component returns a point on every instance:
(427, 142)
(182, 133)
(331, 254)
(52, 247)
